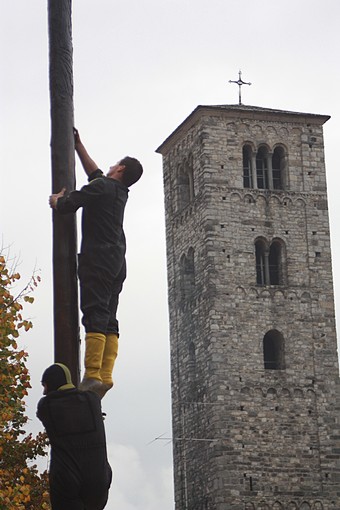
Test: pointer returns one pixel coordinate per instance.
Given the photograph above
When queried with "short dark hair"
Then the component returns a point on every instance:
(133, 170)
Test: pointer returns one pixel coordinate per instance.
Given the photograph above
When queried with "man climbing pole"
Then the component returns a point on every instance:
(101, 262)
(80, 474)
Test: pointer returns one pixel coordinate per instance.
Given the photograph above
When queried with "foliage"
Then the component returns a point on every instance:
(21, 485)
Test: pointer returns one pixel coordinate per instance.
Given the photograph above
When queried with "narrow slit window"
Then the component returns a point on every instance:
(247, 174)
(187, 266)
(183, 188)
(185, 184)
(260, 263)
(278, 164)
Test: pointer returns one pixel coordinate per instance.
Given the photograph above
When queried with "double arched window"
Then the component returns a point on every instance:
(264, 169)
(269, 262)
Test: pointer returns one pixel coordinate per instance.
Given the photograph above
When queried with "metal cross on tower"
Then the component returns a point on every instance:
(239, 82)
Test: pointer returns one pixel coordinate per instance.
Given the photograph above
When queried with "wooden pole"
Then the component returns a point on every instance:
(65, 293)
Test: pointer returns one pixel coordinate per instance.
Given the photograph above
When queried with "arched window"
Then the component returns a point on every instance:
(273, 350)
(247, 171)
(278, 167)
(262, 168)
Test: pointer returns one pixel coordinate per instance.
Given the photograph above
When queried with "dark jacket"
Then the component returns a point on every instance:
(74, 424)
(103, 201)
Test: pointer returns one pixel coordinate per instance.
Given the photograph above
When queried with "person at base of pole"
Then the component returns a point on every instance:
(101, 262)
(80, 474)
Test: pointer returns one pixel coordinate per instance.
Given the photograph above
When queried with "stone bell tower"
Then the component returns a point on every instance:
(254, 368)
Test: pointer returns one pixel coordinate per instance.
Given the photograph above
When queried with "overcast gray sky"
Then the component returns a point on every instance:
(140, 67)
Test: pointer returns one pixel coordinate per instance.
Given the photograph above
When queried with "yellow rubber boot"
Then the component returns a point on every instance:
(109, 358)
(94, 350)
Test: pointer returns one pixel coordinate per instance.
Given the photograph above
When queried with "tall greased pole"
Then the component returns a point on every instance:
(66, 321)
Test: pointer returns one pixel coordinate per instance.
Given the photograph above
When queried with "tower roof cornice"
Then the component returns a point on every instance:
(243, 112)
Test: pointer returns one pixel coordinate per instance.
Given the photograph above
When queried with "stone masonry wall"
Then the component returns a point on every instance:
(246, 437)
